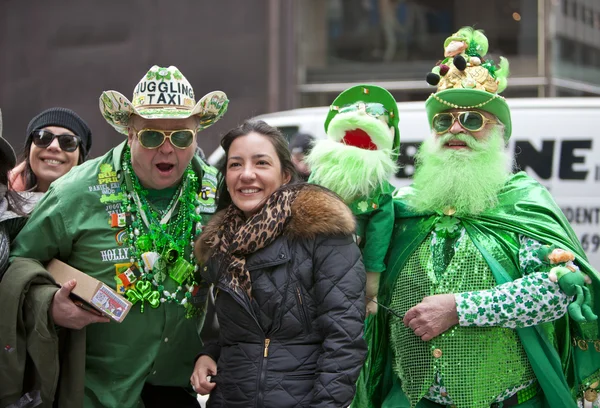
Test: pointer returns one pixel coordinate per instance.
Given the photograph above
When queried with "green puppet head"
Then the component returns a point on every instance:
(356, 115)
(363, 143)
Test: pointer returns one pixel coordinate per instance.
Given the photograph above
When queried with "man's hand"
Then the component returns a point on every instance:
(432, 317)
(205, 366)
(372, 289)
(66, 314)
(371, 307)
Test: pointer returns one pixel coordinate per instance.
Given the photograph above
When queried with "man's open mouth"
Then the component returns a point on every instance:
(359, 138)
(164, 166)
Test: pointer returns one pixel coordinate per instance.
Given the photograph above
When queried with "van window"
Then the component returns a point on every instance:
(288, 131)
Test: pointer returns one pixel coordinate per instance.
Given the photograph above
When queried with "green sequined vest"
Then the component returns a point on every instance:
(476, 364)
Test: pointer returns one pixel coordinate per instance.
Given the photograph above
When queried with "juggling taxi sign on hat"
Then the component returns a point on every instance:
(163, 93)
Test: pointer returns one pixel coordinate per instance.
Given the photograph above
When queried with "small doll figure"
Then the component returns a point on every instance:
(571, 281)
(356, 161)
(463, 64)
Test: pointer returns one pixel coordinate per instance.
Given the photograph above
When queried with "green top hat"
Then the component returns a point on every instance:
(368, 94)
(477, 86)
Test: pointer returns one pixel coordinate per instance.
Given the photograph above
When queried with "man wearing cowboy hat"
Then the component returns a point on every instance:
(473, 318)
(129, 219)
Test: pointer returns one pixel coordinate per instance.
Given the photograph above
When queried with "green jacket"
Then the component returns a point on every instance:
(527, 208)
(72, 223)
(374, 225)
(26, 330)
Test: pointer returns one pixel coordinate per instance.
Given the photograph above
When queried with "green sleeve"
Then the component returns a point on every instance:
(378, 233)
(45, 235)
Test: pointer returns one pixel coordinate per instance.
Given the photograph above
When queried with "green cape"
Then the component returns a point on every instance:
(527, 208)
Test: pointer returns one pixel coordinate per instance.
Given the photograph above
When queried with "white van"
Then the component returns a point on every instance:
(552, 140)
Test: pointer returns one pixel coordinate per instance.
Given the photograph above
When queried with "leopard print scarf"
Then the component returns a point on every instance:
(238, 236)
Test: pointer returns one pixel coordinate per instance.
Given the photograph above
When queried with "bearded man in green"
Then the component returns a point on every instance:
(473, 317)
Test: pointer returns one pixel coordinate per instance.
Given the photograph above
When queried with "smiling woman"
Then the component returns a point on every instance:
(290, 284)
(57, 140)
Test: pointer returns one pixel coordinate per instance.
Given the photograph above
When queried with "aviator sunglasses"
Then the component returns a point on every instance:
(472, 121)
(155, 138)
(43, 138)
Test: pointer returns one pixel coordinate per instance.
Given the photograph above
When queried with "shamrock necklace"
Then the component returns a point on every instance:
(157, 242)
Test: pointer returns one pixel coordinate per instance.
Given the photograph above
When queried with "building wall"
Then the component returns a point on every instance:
(395, 43)
(575, 32)
(66, 52)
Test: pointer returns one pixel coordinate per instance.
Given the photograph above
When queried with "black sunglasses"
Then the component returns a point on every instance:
(43, 138)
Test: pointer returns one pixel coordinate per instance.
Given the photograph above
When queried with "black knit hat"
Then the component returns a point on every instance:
(65, 118)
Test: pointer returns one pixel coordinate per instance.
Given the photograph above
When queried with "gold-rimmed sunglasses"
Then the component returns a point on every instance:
(155, 138)
(473, 121)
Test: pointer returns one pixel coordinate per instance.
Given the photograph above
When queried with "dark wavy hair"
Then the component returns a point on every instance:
(279, 142)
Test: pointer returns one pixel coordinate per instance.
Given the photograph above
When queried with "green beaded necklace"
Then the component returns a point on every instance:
(157, 243)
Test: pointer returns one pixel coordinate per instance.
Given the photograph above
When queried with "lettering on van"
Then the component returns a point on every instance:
(587, 217)
(570, 154)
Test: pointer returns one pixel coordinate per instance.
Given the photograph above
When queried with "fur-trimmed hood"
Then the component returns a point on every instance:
(316, 211)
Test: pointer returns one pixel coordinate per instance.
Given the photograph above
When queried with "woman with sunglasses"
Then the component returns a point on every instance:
(57, 140)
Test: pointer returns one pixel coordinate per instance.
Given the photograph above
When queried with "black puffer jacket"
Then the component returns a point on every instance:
(299, 343)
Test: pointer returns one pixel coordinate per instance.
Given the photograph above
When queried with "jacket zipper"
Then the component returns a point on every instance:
(263, 371)
(263, 374)
(303, 315)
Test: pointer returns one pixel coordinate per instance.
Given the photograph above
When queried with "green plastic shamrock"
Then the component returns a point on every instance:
(447, 226)
(143, 292)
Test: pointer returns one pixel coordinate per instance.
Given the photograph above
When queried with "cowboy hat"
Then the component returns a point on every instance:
(163, 93)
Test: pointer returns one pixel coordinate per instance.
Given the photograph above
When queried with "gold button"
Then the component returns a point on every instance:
(595, 384)
(437, 353)
(590, 395)
(444, 394)
(449, 211)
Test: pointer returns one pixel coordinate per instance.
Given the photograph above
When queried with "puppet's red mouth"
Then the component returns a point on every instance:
(358, 138)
